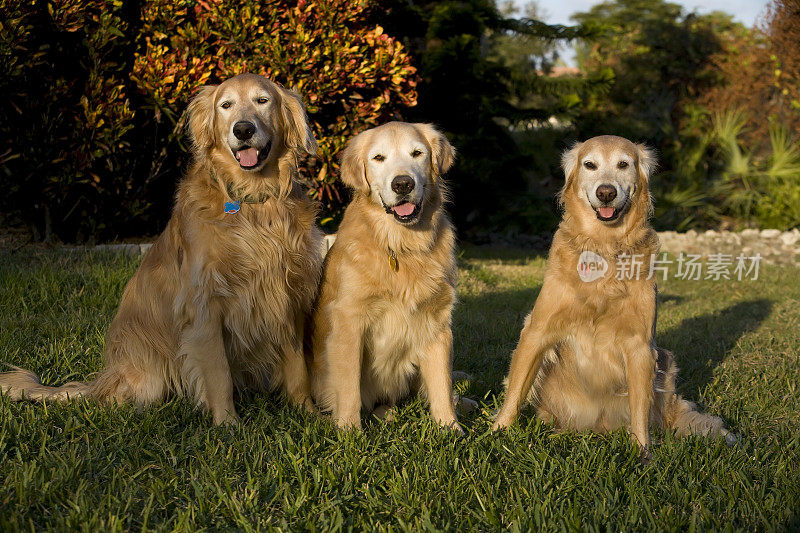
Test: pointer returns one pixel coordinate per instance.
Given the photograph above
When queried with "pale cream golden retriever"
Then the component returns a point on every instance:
(382, 319)
(586, 356)
(220, 300)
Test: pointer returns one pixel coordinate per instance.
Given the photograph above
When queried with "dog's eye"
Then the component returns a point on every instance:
(416, 152)
(378, 158)
(590, 165)
(263, 100)
(622, 164)
(226, 105)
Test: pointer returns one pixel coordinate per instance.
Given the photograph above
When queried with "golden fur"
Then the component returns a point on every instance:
(586, 356)
(382, 319)
(219, 301)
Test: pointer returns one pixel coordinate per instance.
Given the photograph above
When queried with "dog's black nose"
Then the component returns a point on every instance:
(606, 193)
(244, 130)
(402, 184)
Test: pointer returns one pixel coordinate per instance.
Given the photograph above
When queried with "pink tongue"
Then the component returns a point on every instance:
(606, 212)
(248, 158)
(404, 209)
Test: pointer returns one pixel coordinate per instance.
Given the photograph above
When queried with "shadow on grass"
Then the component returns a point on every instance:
(507, 255)
(487, 327)
(701, 343)
(670, 298)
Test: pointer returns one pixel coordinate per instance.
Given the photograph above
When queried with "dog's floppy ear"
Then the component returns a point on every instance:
(443, 154)
(297, 131)
(201, 118)
(569, 160)
(647, 161)
(353, 168)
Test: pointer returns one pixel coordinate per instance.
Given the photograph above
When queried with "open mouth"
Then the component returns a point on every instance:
(249, 157)
(404, 212)
(606, 213)
(609, 213)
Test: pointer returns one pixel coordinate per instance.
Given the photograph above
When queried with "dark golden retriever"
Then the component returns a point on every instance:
(219, 301)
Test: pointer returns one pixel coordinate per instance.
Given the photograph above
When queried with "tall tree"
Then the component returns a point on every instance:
(660, 57)
(761, 74)
(475, 87)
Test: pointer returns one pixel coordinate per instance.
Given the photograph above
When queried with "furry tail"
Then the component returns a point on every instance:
(679, 414)
(21, 384)
(685, 419)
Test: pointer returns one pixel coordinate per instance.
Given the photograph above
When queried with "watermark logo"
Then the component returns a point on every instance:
(591, 266)
(716, 267)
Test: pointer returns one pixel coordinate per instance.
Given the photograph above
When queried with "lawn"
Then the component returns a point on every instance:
(104, 468)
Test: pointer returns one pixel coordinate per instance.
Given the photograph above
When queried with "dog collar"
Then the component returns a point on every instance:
(237, 196)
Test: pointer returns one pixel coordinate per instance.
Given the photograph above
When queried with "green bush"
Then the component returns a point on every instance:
(68, 123)
(481, 82)
(685, 84)
(98, 87)
(761, 190)
(721, 181)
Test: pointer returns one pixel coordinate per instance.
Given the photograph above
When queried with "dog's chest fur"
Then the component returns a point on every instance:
(404, 304)
(592, 351)
(264, 272)
(416, 304)
(408, 301)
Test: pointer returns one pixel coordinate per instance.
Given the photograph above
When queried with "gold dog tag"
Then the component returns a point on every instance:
(393, 264)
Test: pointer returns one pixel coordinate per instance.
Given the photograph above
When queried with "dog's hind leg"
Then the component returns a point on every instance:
(385, 412)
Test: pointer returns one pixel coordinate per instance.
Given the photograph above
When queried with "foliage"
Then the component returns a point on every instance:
(68, 125)
(676, 76)
(765, 190)
(99, 87)
(725, 181)
(86, 466)
(761, 75)
(351, 76)
(660, 59)
(479, 82)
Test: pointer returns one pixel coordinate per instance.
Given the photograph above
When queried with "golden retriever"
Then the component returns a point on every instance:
(382, 319)
(220, 300)
(586, 356)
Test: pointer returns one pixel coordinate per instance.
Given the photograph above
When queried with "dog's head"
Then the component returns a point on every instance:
(608, 176)
(249, 121)
(399, 166)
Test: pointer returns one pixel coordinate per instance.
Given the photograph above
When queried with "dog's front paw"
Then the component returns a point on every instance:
(502, 420)
(227, 418)
(308, 405)
(348, 423)
(645, 456)
(453, 426)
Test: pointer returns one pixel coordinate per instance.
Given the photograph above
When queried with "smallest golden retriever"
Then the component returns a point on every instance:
(382, 318)
(586, 356)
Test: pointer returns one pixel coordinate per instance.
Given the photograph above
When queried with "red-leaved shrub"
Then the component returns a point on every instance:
(98, 88)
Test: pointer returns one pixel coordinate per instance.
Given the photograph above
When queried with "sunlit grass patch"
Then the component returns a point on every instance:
(91, 467)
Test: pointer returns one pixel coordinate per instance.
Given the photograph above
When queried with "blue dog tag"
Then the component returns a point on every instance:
(231, 207)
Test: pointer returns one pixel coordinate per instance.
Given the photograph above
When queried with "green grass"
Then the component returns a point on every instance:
(97, 468)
